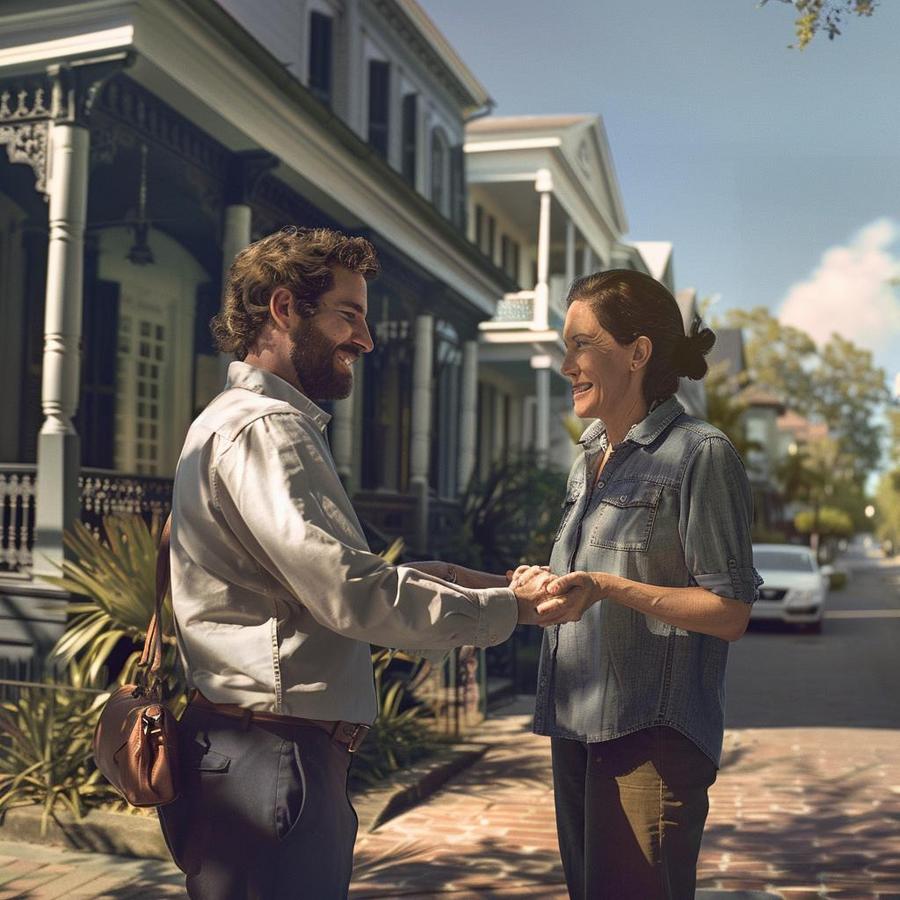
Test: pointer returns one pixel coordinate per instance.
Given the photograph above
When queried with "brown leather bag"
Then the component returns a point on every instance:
(135, 742)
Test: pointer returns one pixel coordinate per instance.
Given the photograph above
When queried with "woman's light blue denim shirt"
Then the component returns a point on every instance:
(672, 508)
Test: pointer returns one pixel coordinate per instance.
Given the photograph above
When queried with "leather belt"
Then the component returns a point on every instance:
(350, 734)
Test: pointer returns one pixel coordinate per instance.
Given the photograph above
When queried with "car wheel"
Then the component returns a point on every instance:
(813, 627)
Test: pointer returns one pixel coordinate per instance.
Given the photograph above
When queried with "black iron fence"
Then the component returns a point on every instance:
(102, 492)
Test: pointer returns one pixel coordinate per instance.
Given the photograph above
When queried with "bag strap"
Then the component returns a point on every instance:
(152, 653)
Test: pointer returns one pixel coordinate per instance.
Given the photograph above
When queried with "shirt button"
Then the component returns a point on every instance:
(601, 484)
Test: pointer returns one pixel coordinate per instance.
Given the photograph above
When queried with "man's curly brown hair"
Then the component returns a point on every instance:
(300, 259)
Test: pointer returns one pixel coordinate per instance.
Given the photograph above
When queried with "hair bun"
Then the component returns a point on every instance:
(691, 350)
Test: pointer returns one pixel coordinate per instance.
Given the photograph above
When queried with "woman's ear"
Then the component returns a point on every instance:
(641, 352)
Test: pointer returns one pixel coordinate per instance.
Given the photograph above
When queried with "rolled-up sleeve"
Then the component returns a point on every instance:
(268, 486)
(716, 519)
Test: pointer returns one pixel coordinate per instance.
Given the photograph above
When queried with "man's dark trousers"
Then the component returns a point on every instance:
(263, 813)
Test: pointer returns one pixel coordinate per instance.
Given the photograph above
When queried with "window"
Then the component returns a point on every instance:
(445, 409)
(509, 257)
(479, 224)
(379, 105)
(491, 237)
(320, 44)
(440, 161)
(410, 115)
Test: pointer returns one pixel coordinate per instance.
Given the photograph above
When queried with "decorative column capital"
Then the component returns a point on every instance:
(77, 83)
(245, 170)
(543, 181)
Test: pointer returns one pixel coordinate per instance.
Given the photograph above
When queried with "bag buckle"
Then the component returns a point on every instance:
(151, 722)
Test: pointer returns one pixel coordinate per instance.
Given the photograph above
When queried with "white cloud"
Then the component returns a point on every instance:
(851, 292)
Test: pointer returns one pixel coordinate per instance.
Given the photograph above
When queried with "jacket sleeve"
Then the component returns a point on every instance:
(715, 522)
(268, 485)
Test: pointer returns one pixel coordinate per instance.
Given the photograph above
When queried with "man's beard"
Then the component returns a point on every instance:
(320, 375)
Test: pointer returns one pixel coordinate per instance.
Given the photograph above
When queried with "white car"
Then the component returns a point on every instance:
(794, 587)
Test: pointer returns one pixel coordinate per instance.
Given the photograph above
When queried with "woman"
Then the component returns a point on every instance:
(650, 577)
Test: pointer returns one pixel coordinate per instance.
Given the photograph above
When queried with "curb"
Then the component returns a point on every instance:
(409, 787)
(137, 835)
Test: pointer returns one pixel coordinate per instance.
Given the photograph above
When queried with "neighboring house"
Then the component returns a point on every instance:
(142, 144)
(760, 424)
(692, 394)
(795, 433)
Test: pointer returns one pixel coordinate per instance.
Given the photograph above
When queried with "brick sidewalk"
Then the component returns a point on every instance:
(795, 812)
(799, 813)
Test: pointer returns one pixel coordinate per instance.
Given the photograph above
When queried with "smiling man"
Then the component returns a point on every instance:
(275, 592)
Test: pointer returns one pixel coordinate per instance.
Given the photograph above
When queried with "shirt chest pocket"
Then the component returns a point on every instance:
(624, 517)
(568, 506)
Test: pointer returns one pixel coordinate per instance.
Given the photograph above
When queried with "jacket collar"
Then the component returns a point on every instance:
(261, 381)
(645, 432)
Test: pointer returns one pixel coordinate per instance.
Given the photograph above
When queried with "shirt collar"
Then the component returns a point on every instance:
(660, 417)
(261, 381)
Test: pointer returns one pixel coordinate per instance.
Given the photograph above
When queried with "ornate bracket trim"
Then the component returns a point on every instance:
(24, 127)
(27, 143)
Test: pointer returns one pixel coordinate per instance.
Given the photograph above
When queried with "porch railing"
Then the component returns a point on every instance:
(102, 493)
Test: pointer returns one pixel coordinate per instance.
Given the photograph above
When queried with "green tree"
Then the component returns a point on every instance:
(887, 494)
(849, 390)
(826, 522)
(824, 15)
(779, 357)
(839, 384)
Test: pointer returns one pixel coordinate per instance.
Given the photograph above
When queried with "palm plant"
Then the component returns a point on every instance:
(399, 736)
(45, 746)
(115, 584)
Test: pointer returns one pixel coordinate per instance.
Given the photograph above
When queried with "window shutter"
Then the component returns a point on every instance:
(410, 113)
(379, 104)
(320, 56)
(458, 187)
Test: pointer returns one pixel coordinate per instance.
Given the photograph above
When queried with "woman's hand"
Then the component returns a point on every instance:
(570, 596)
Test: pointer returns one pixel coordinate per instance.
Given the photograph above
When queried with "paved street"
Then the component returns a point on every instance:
(806, 805)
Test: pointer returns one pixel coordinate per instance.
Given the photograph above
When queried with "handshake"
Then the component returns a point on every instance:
(547, 599)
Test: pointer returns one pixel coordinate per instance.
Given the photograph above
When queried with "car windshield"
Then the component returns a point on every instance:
(782, 562)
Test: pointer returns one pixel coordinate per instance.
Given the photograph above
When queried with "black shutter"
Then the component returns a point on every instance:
(410, 113)
(320, 54)
(458, 186)
(379, 104)
(98, 386)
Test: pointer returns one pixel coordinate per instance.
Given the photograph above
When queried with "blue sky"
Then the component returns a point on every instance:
(775, 173)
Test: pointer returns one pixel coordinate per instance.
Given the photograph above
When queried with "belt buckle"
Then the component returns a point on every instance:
(351, 735)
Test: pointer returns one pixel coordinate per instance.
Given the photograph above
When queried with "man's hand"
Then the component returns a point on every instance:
(529, 583)
(570, 596)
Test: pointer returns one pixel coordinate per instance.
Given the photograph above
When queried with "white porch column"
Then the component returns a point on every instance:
(587, 260)
(245, 170)
(541, 365)
(420, 431)
(235, 236)
(543, 184)
(570, 252)
(468, 413)
(59, 450)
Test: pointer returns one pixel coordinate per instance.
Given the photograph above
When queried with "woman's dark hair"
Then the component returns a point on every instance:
(630, 304)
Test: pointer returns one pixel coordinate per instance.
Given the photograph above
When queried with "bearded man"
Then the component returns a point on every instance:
(276, 594)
